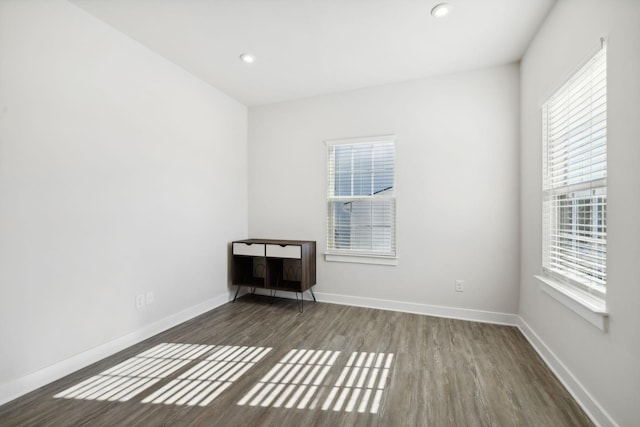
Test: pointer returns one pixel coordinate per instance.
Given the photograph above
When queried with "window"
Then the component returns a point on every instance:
(574, 180)
(361, 202)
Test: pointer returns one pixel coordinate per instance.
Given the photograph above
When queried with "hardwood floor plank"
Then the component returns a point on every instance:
(441, 372)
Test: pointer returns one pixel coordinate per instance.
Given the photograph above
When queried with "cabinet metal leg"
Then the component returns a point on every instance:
(300, 301)
(273, 295)
(312, 294)
(236, 295)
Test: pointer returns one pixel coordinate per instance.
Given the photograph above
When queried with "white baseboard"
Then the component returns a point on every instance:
(428, 310)
(15, 388)
(406, 307)
(596, 413)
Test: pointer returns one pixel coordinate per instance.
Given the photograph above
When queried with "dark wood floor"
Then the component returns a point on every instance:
(443, 372)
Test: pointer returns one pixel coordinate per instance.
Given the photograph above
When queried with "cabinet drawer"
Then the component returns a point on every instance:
(255, 249)
(288, 251)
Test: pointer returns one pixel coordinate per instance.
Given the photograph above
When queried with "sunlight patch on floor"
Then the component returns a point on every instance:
(361, 383)
(293, 381)
(201, 384)
(196, 374)
(131, 377)
(297, 381)
(214, 369)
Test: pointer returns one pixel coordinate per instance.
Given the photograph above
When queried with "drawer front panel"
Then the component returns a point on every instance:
(256, 249)
(288, 251)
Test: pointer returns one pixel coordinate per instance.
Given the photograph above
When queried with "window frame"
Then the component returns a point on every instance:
(362, 256)
(565, 191)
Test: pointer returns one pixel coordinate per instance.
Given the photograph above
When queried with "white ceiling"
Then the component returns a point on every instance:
(313, 47)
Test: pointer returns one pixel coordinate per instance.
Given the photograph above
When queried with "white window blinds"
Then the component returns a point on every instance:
(361, 197)
(574, 178)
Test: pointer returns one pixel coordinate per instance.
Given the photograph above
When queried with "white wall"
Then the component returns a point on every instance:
(457, 185)
(119, 174)
(606, 364)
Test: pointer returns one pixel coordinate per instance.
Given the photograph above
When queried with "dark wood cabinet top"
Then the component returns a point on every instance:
(275, 241)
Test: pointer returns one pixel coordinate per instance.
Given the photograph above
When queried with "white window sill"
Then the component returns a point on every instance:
(589, 307)
(361, 259)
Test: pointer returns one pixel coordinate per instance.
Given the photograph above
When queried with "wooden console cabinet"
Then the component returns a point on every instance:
(287, 265)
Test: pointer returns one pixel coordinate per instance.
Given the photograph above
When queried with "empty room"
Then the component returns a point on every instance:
(319, 212)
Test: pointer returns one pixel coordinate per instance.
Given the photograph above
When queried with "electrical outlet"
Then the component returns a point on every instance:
(151, 297)
(139, 301)
(459, 285)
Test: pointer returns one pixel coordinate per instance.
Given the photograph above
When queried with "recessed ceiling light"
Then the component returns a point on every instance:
(247, 58)
(441, 10)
